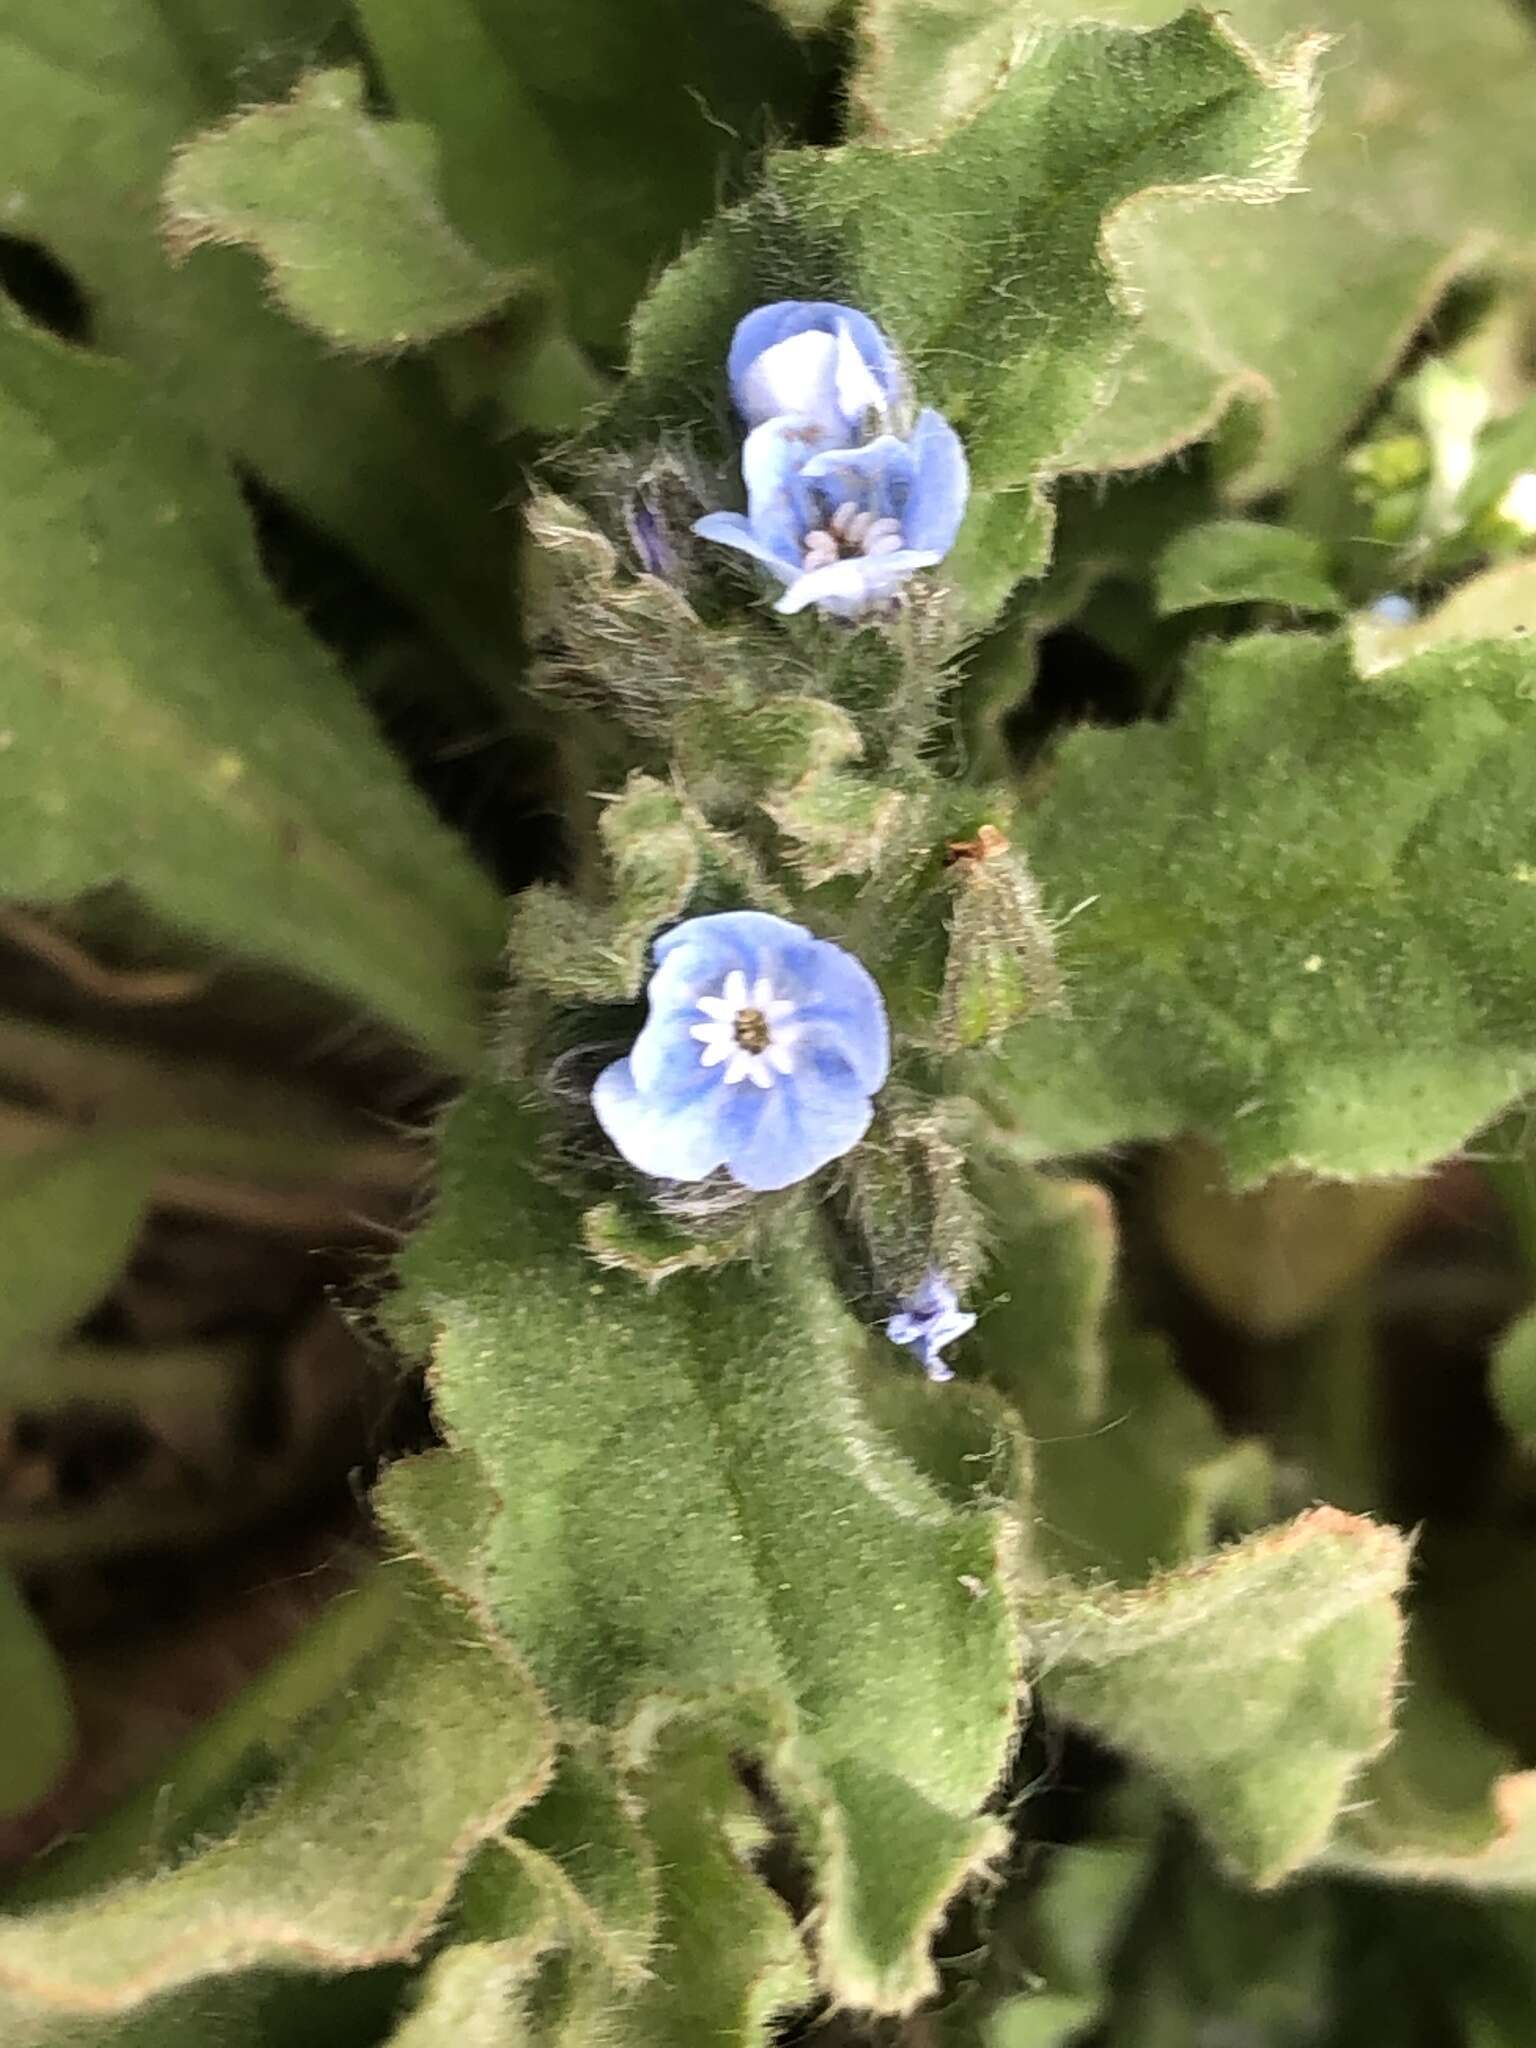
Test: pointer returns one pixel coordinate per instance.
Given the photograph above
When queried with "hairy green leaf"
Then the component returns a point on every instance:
(168, 725)
(1301, 308)
(692, 1502)
(347, 1861)
(552, 116)
(728, 1960)
(204, 1783)
(1307, 934)
(1254, 1685)
(345, 212)
(982, 252)
(475, 1991)
(369, 454)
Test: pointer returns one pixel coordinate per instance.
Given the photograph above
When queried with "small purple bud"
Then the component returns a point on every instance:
(648, 538)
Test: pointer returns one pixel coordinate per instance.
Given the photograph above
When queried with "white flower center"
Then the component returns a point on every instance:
(748, 1029)
(850, 532)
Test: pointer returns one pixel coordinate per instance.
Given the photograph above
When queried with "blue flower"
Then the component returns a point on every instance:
(930, 1318)
(760, 1054)
(829, 367)
(845, 528)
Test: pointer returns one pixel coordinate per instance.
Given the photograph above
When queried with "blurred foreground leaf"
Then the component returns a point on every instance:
(1244, 561)
(369, 453)
(69, 1214)
(167, 724)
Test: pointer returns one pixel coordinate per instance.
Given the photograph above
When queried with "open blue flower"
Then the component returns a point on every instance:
(829, 367)
(843, 529)
(929, 1319)
(760, 1054)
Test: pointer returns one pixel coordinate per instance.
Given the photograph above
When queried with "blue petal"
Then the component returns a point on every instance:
(693, 959)
(770, 326)
(742, 936)
(665, 1062)
(776, 1136)
(933, 1295)
(796, 377)
(878, 477)
(848, 588)
(772, 458)
(841, 1010)
(941, 484)
(731, 530)
(666, 1139)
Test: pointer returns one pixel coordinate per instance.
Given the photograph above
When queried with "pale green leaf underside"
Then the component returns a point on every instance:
(167, 724)
(693, 1503)
(1308, 916)
(344, 210)
(1254, 1686)
(1302, 306)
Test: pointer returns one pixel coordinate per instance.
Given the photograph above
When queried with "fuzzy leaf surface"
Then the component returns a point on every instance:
(1254, 1685)
(728, 1960)
(1310, 933)
(347, 1861)
(981, 252)
(368, 452)
(170, 726)
(344, 210)
(693, 1502)
(1301, 308)
(475, 1991)
(552, 114)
